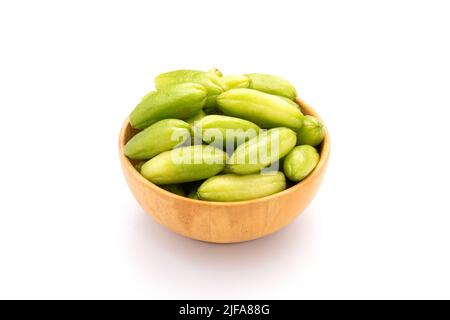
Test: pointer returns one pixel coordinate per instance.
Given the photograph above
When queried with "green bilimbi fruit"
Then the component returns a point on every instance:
(179, 101)
(233, 187)
(199, 116)
(311, 133)
(263, 109)
(262, 150)
(174, 188)
(184, 164)
(300, 162)
(161, 136)
(272, 84)
(210, 80)
(217, 129)
(236, 81)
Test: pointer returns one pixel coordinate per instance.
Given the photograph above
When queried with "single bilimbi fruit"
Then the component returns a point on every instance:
(272, 84)
(184, 164)
(210, 80)
(236, 81)
(179, 101)
(161, 136)
(219, 129)
(262, 150)
(311, 133)
(174, 188)
(233, 187)
(263, 109)
(300, 162)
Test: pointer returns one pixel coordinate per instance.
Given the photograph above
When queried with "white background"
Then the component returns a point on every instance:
(378, 72)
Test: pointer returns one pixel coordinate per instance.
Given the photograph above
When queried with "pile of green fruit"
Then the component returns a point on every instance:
(222, 138)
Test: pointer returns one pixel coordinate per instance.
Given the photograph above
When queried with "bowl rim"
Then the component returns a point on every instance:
(324, 156)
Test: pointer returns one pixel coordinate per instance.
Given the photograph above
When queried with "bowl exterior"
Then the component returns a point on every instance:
(223, 222)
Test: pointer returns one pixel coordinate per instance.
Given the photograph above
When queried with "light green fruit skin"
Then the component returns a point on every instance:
(179, 101)
(272, 84)
(215, 126)
(263, 109)
(233, 187)
(300, 162)
(210, 80)
(161, 136)
(199, 116)
(236, 81)
(184, 164)
(241, 161)
(311, 133)
(174, 188)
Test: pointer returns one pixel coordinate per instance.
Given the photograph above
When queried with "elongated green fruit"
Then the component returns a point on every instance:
(236, 81)
(220, 129)
(184, 164)
(161, 136)
(262, 150)
(179, 101)
(272, 84)
(210, 80)
(311, 133)
(233, 187)
(197, 117)
(174, 188)
(266, 110)
(300, 162)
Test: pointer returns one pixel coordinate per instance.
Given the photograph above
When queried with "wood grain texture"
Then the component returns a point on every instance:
(220, 222)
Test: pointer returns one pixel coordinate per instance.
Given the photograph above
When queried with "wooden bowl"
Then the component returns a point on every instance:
(223, 222)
